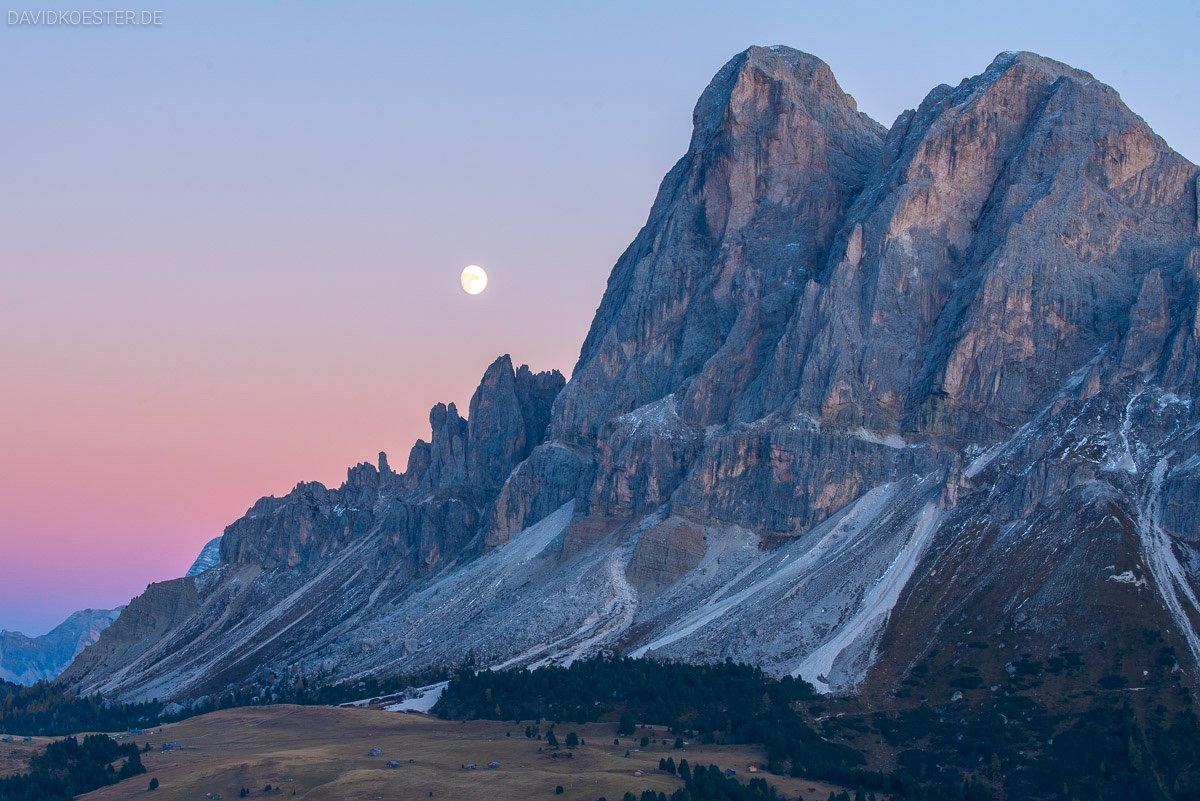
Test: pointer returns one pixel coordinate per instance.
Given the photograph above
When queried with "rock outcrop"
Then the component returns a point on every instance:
(847, 386)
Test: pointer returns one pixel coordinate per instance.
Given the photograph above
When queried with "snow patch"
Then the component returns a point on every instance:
(660, 417)
(1127, 578)
(423, 699)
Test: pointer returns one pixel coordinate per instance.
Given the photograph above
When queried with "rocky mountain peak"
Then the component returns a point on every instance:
(734, 96)
(778, 153)
(447, 447)
(1048, 69)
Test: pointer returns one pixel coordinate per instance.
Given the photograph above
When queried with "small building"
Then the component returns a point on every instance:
(730, 772)
(493, 765)
(469, 766)
(638, 773)
(392, 764)
(171, 746)
(27, 739)
(752, 769)
(6, 739)
(375, 752)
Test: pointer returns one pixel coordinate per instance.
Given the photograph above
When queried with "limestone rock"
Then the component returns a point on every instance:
(778, 153)
(508, 418)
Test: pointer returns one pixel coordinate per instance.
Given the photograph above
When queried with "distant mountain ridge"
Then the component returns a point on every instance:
(856, 401)
(28, 660)
(209, 557)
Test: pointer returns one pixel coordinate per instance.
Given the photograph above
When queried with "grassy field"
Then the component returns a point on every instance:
(14, 757)
(320, 753)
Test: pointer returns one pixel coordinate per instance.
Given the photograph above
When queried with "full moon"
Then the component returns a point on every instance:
(474, 279)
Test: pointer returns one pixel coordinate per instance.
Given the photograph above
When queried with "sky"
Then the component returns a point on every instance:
(230, 243)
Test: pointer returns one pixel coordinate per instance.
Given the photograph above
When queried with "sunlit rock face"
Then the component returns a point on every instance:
(846, 384)
(740, 225)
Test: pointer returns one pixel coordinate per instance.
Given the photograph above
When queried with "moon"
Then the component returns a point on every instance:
(474, 279)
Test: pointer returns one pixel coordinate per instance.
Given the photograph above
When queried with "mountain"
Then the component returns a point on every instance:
(210, 556)
(28, 660)
(875, 407)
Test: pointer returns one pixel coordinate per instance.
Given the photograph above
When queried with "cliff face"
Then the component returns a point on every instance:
(846, 384)
(740, 224)
(1009, 229)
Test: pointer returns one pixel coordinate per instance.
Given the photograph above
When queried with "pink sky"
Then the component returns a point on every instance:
(229, 247)
(148, 413)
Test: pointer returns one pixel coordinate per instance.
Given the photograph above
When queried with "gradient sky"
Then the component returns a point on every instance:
(229, 246)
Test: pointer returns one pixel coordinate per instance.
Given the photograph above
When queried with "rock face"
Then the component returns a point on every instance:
(848, 385)
(778, 154)
(28, 660)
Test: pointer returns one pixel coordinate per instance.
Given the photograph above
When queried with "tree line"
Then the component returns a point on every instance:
(44, 709)
(723, 703)
(70, 767)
